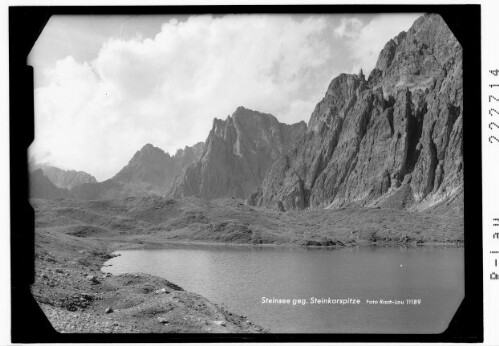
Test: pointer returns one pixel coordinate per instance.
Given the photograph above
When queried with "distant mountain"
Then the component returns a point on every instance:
(65, 178)
(150, 171)
(237, 154)
(41, 187)
(153, 169)
(392, 140)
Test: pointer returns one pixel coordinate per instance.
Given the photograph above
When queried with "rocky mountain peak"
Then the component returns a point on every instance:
(343, 90)
(149, 152)
(188, 150)
(241, 110)
(387, 54)
(394, 140)
(188, 155)
(150, 170)
(417, 58)
(345, 86)
(237, 153)
(154, 169)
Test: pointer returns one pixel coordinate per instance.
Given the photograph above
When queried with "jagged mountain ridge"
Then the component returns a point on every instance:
(153, 167)
(65, 179)
(393, 140)
(150, 171)
(237, 154)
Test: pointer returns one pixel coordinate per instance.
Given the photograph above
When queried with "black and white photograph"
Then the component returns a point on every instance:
(249, 173)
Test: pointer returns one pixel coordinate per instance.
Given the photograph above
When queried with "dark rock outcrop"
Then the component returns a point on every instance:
(41, 187)
(237, 154)
(66, 179)
(394, 139)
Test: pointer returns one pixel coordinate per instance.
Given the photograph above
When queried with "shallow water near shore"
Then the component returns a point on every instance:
(371, 289)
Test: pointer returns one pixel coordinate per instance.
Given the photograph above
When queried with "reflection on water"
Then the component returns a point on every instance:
(239, 277)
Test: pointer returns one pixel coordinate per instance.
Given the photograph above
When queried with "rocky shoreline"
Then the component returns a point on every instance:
(149, 245)
(77, 297)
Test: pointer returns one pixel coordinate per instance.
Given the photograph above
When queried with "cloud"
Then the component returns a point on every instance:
(167, 89)
(349, 27)
(364, 41)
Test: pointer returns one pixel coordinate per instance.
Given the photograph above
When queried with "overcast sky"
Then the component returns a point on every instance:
(106, 86)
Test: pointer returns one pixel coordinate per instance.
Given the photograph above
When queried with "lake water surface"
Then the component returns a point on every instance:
(239, 278)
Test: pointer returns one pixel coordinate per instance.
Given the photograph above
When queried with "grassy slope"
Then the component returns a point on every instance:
(156, 220)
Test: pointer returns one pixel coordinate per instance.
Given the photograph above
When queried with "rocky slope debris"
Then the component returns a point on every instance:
(237, 154)
(77, 297)
(394, 139)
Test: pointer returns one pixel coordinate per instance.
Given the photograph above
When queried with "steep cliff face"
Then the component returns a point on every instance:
(150, 170)
(393, 140)
(185, 157)
(237, 154)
